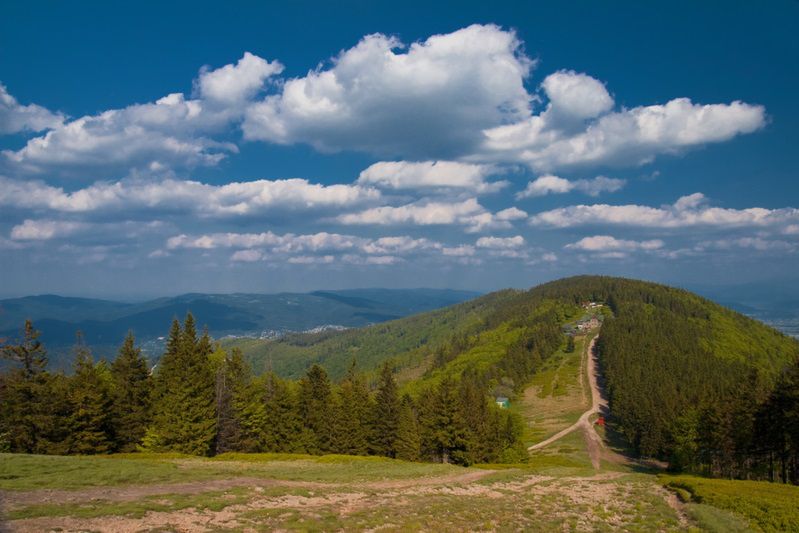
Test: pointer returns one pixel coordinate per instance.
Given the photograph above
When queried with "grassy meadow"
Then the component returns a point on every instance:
(557, 395)
(269, 491)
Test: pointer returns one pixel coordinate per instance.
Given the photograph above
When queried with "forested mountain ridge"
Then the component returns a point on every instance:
(688, 381)
(407, 341)
(105, 323)
(412, 342)
(694, 383)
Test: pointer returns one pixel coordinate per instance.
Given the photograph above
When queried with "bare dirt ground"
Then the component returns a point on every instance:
(578, 503)
(13, 500)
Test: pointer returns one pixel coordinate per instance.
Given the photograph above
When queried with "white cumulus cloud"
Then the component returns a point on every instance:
(247, 256)
(231, 199)
(688, 211)
(550, 184)
(430, 174)
(575, 96)
(15, 117)
(467, 213)
(171, 132)
(606, 243)
(431, 98)
(234, 84)
(580, 128)
(38, 230)
(500, 243)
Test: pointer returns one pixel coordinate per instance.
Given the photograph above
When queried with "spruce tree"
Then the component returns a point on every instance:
(185, 401)
(570, 344)
(283, 429)
(352, 430)
(443, 431)
(480, 421)
(386, 414)
(57, 415)
(200, 387)
(232, 379)
(131, 395)
(26, 406)
(160, 433)
(90, 402)
(408, 444)
(249, 409)
(316, 412)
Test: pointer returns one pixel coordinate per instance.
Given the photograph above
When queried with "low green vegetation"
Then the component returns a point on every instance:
(22, 472)
(163, 503)
(555, 398)
(770, 507)
(27, 472)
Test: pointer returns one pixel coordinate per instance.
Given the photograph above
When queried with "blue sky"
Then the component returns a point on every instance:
(157, 149)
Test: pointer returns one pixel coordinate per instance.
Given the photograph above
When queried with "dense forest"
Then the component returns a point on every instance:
(693, 383)
(203, 400)
(689, 382)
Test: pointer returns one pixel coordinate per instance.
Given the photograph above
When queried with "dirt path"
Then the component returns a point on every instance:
(12, 499)
(574, 497)
(598, 405)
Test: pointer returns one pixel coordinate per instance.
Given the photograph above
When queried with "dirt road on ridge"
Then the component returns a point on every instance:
(598, 405)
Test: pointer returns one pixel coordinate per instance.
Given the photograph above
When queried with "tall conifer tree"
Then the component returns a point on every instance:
(408, 444)
(316, 411)
(283, 429)
(354, 408)
(26, 407)
(131, 395)
(185, 403)
(386, 414)
(90, 402)
(232, 379)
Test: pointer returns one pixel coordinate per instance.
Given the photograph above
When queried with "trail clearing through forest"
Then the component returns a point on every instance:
(599, 405)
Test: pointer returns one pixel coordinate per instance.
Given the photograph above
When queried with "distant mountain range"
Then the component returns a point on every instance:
(776, 304)
(104, 323)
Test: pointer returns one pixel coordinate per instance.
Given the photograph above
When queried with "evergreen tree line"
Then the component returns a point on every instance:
(703, 413)
(202, 400)
(690, 382)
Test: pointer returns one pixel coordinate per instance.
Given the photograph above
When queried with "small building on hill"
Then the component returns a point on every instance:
(588, 324)
(503, 402)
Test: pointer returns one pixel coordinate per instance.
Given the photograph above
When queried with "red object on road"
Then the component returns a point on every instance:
(600, 421)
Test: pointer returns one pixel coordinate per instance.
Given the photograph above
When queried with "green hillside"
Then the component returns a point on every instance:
(688, 380)
(412, 342)
(408, 341)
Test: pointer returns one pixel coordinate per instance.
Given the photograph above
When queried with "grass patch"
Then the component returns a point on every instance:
(555, 398)
(28, 472)
(212, 501)
(566, 456)
(771, 507)
(715, 520)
